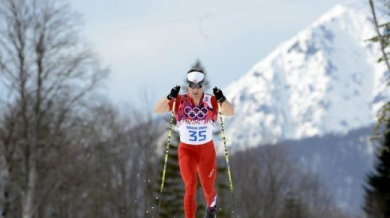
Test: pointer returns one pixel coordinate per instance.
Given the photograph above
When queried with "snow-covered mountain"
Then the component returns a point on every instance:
(324, 80)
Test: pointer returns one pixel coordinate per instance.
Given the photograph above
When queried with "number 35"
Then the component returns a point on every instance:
(197, 136)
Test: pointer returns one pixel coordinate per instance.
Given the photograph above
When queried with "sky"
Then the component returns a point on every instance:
(150, 45)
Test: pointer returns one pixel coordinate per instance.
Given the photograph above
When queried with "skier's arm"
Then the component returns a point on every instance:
(226, 108)
(224, 105)
(163, 105)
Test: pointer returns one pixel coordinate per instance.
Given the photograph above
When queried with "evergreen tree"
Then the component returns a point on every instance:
(377, 199)
(383, 38)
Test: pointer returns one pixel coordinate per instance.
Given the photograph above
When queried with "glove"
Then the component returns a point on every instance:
(219, 95)
(174, 92)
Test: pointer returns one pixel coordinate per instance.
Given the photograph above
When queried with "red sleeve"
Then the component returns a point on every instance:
(170, 103)
(214, 103)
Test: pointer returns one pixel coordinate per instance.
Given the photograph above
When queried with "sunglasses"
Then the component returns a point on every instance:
(195, 85)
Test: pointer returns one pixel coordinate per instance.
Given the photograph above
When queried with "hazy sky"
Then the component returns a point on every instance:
(150, 44)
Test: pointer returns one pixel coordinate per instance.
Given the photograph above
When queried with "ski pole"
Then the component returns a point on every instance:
(166, 158)
(227, 159)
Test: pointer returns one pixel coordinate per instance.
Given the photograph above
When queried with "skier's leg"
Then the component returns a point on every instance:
(207, 170)
(187, 164)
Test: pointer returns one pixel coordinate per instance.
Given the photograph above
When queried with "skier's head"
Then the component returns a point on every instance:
(195, 80)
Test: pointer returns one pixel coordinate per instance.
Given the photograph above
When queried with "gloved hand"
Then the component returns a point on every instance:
(174, 92)
(219, 95)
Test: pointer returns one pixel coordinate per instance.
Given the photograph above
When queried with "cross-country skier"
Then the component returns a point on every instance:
(196, 115)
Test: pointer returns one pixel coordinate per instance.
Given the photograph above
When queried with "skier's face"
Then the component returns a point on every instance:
(195, 93)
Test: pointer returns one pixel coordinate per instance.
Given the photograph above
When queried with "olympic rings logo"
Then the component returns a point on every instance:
(196, 112)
